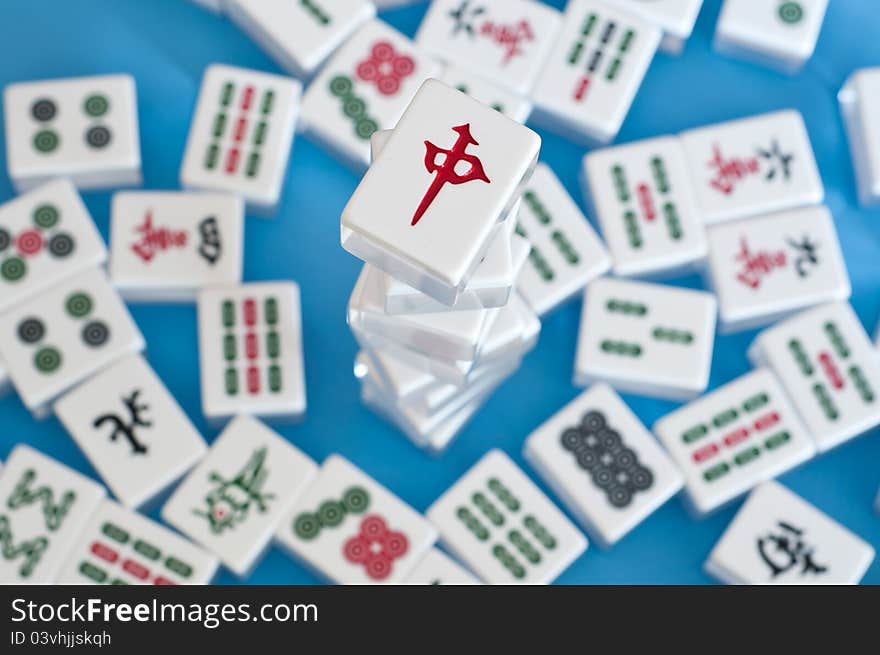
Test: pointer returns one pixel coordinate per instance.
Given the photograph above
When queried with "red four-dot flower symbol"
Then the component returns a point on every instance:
(386, 68)
(376, 547)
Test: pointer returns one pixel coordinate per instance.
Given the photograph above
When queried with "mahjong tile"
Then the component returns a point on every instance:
(778, 538)
(859, 104)
(299, 36)
(594, 71)
(781, 34)
(489, 93)
(251, 351)
(4, 380)
(241, 135)
(121, 547)
(566, 253)
(752, 166)
(63, 336)
(675, 17)
(44, 507)
(82, 128)
(646, 206)
(234, 500)
(165, 246)
(364, 87)
(603, 464)
(398, 378)
(765, 267)
(647, 339)
(132, 430)
(737, 436)
(828, 366)
(505, 41)
(46, 235)
(436, 568)
(457, 168)
(499, 524)
(351, 530)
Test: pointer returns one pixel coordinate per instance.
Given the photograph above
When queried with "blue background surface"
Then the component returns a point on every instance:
(166, 44)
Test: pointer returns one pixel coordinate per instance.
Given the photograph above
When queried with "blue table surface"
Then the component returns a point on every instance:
(166, 44)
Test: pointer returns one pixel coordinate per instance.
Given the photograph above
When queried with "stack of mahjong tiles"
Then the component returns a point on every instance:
(434, 309)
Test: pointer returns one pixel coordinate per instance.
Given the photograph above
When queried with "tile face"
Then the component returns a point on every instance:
(594, 71)
(233, 501)
(566, 253)
(58, 339)
(646, 206)
(457, 167)
(251, 350)
(765, 267)
(646, 339)
(241, 134)
(299, 36)
(603, 464)
(496, 521)
(82, 128)
(752, 166)
(826, 363)
(165, 246)
(43, 509)
(46, 235)
(132, 430)
(734, 438)
(675, 17)
(364, 87)
(119, 546)
(777, 33)
(438, 569)
(779, 538)
(351, 530)
(498, 98)
(859, 104)
(502, 40)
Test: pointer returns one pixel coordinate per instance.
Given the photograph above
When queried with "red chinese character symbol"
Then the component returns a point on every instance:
(446, 172)
(509, 37)
(755, 265)
(730, 171)
(376, 547)
(156, 239)
(386, 68)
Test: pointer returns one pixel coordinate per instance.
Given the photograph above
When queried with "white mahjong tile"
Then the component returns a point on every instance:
(779, 538)
(594, 71)
(121, 547)
(436, 568)
(446, 335)
(351, 530)
(44, 507)
(364, 87)
(46, 235)
(501, 526)
(236, 497)
(603, 464)
(751, 166)
(251, 351)
(132, 430)
(398, 378)
(82, 128)
(4, 380)
(781, 34)
(299, 36)
(241, 135)
(514, 106)
(646, 206)
(165, 246)
(457, 168)
(505, 41)
(765, 267)
(675, 17)
(63, 336)
(859, 104)
(828, 366)
(737, 436)
(647, 339)
(566, 253)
